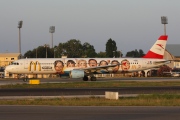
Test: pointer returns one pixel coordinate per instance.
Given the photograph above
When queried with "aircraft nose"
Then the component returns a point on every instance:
(8, 68)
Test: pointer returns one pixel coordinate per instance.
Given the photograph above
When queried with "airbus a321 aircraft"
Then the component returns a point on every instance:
(84, 67)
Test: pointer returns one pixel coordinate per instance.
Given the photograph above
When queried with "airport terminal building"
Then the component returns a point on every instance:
(6, 59)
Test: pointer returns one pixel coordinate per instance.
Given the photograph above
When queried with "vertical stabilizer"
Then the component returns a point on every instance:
(158, 49)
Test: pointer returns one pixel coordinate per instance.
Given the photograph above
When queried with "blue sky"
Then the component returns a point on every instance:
(133, 24)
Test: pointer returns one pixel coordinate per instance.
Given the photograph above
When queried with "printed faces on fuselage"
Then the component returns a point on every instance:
(82, 63)
(59, 65)
(92, 63)
(125, 65)
(116, 68)
(103, 63)
(70, 63)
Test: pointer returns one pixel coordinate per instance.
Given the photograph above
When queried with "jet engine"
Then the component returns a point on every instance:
(77, 74)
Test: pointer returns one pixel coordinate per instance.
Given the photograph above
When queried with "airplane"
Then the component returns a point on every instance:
(86, 68)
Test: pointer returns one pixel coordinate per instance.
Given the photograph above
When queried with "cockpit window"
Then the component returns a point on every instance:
(14, 63)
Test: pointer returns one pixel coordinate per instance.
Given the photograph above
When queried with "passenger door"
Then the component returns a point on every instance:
(26, 64)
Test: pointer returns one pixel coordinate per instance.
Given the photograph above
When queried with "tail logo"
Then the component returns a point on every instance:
(160, 45)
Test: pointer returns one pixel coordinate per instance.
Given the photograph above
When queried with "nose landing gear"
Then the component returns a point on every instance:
(25, 79)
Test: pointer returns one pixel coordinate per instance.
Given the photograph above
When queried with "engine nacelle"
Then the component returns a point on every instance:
(77, 74)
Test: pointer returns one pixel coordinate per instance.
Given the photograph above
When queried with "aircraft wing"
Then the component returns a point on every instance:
(165, 61)
(161, 62)
(97, 68)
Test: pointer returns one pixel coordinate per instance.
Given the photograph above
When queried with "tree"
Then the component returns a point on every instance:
(130, 54)
(73, 48)
(141, 53)
(85, 47)
(135, 53)
(88, 50)
(39, 52)
(28, 54)
(60, 50)
(111, 48)
(101, 54)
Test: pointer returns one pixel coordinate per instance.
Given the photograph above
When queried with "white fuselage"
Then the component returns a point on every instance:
(48, 65)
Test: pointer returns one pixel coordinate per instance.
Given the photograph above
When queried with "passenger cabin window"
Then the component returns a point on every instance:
(12, 58)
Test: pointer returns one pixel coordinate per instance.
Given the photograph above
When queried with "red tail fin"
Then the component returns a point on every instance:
(157, 50)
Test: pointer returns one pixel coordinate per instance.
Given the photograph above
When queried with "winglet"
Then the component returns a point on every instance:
(158, 49)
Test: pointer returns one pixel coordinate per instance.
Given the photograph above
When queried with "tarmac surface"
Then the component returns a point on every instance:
(88, 113)
(86, 91)
(32, 112)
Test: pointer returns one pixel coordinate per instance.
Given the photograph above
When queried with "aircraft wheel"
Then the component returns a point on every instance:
(25, 79)
(93, 78)
(85, 78)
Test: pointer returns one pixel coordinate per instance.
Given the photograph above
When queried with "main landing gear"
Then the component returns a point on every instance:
(92, 78)
(85, 78)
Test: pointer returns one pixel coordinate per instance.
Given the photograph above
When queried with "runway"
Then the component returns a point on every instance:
(64, 80)
(88, 113)
(87, 91)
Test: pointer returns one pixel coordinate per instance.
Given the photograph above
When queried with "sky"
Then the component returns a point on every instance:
(132, 24)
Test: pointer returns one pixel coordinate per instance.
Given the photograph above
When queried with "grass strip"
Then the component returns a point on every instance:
(110, 84)
(141, 100)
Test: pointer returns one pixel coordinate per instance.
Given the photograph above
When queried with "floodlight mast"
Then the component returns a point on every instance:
(164, 21)
(52, 30)
(46, 46)
(20, 26)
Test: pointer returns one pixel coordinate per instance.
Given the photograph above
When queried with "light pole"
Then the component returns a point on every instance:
(113, 54)
(46, 46)
(120, 53)
(20, 26)
(164, 21)
(52, 30)
(87, 47)
(55, 49)
(36, 52)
